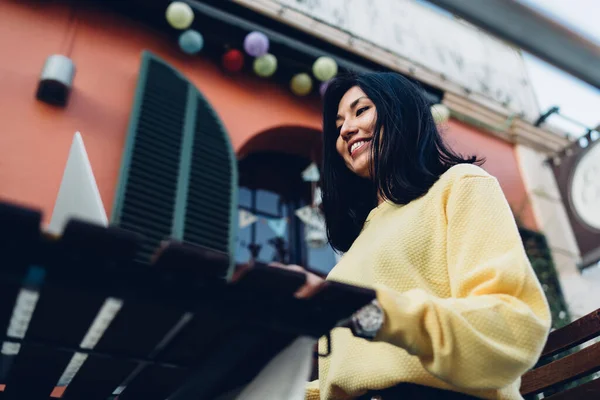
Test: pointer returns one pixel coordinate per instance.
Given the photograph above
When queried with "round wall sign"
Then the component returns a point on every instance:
(585, 187)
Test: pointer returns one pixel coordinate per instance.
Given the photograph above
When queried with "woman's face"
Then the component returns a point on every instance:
(355, 124)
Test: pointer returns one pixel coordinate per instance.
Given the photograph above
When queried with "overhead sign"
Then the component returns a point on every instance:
(578, 175)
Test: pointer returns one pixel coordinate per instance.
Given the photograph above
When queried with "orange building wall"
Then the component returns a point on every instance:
(501, 161)
(35, 137)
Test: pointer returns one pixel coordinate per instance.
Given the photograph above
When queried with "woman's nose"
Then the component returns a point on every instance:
(348, 130)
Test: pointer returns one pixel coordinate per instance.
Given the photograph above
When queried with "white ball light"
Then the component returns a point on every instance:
(441, 113)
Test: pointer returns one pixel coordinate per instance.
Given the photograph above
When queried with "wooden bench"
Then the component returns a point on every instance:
(552, 378)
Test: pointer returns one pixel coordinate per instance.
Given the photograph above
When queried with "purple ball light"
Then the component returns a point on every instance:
(256, 44)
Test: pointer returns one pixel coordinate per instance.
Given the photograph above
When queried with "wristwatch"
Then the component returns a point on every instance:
(367, 321)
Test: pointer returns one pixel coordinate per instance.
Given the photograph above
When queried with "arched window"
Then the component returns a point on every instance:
(271, 187)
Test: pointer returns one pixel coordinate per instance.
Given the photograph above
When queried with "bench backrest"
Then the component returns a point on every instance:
(570, 367)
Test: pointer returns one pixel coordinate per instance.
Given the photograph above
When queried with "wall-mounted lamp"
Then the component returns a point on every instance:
(56, 80)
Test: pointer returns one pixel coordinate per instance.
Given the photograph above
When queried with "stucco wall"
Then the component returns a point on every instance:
(106, 48)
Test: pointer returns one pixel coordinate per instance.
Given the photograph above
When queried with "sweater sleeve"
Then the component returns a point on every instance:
(312, 391)
(493, 327)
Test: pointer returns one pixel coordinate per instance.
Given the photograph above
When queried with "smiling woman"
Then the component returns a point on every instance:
(459, 312)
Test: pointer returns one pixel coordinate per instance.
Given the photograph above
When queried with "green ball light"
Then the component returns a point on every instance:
(179, 15)
(301, 84)
(325, 68)
(265, 66)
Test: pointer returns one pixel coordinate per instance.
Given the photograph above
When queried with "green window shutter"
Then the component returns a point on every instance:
(178, 177)
(213, 183)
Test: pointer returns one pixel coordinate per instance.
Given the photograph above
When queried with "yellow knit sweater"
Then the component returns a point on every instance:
(464, 310)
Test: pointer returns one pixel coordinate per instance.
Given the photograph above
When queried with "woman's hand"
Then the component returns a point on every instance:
(313, 284)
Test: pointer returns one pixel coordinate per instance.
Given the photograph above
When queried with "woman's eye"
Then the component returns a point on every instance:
(361, 110)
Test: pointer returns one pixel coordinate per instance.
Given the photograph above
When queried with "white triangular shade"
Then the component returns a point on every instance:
(78, 196)
(246, 218)
(285, 376)
(318, 197)
(311, 173)
(311, 216)
(278, 225)
(305, 214)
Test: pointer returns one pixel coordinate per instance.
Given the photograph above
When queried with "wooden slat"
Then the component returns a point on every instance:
(19, 241)
(192, 263)
(154, 383)
(577, 332)
(35, 372)
(109, 248)
(205, 332)
(587, 391)
(137, 329)
(212, 326)
(19, 226)
(565, 370)
(63, 316)
(8, 295)
(98, 378)
(253, 363)
(213, 375)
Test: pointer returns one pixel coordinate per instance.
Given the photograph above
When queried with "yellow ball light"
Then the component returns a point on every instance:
(301, 84)
(441, 113)
(325, 68)
(179, 15)
(265, 66)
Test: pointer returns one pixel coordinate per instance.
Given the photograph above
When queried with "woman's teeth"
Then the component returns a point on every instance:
(357, 145)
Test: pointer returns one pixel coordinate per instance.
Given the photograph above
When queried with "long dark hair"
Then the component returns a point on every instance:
(411, 158)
